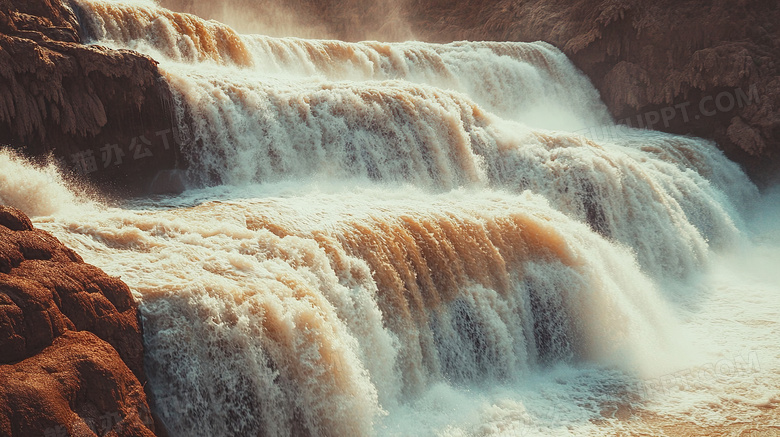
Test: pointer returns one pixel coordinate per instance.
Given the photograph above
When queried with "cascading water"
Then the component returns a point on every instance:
(374, 228)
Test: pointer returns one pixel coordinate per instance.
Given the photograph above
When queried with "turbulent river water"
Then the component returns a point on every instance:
(424, 239)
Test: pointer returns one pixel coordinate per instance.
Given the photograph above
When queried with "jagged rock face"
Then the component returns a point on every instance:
(71, 351)
(78, 386)
(105, 114)
(706, 68)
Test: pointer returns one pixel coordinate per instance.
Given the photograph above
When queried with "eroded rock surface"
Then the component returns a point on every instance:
(71, 351)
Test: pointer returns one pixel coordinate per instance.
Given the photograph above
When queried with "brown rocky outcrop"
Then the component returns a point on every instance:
(106, 114)
(71, 351)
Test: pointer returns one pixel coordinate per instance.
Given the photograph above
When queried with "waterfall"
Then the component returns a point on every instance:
(368, 221)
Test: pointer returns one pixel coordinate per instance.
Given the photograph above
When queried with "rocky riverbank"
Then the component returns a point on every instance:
(71, 348)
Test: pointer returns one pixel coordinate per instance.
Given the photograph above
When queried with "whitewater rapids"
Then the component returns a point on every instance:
(407, 239)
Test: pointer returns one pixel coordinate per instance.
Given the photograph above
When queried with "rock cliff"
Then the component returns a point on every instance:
(104, 114)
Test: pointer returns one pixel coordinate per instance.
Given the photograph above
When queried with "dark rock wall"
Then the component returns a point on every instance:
(104, 114)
